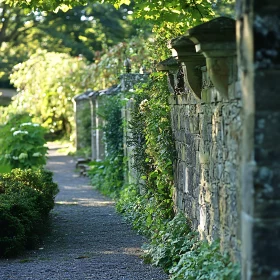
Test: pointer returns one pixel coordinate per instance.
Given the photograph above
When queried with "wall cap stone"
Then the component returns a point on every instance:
(184, 50)
(168, 64)
(216, 41)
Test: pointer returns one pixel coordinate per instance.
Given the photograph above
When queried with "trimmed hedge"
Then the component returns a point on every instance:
(26, 198)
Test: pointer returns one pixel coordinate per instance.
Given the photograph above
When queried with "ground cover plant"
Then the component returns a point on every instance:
(172, 244)
(26, 198)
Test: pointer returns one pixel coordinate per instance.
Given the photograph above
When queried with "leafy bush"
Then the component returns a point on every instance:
(107, 176)
(167, 245)
(22, 143)
(51, 97)
(26, 198)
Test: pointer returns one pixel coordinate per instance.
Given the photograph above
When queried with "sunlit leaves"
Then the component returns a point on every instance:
(50, 5)
(118, 3)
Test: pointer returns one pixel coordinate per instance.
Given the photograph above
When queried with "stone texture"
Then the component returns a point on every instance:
(258, 33)
(207, 138)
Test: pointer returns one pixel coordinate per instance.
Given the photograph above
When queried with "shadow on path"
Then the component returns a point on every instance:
(88, 240)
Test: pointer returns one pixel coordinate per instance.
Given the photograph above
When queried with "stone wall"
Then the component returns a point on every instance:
(207, 125)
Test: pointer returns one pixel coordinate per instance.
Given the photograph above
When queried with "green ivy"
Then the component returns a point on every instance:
(152, 141)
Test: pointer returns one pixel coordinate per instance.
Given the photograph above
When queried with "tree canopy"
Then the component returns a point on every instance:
(83, 30)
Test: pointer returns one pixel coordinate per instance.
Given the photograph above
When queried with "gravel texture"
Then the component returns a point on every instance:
(87, 240)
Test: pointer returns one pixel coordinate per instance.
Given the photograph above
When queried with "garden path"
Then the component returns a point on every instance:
(87, 240)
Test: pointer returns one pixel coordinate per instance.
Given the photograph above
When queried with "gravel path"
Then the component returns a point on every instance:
(88, 240)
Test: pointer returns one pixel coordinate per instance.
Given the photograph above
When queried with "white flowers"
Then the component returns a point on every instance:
(29, 124)
(143, 105)
(22, 156)
(37, 155)
(20, 132)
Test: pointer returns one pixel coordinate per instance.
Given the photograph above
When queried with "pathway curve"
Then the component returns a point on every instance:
(88, 239)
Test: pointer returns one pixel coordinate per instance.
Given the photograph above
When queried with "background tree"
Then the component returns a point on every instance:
(83, 30)
(47, 82)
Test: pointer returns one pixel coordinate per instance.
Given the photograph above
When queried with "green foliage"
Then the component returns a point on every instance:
(86, 30)
(152, 141)
(108, 175)
(205, 261)
(141, 210)
(110, 112)
(66, 77)
(26, 198)
(46, 4)
(22, 143)
(167, 245)
(110, 65)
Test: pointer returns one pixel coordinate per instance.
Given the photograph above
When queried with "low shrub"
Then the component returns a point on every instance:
(26, 198)
(142, 211)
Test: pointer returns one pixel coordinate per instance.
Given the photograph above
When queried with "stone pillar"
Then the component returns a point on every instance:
(92, 99)
(174, 76)
(81, 107)
(100, 145)
(258, 37)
